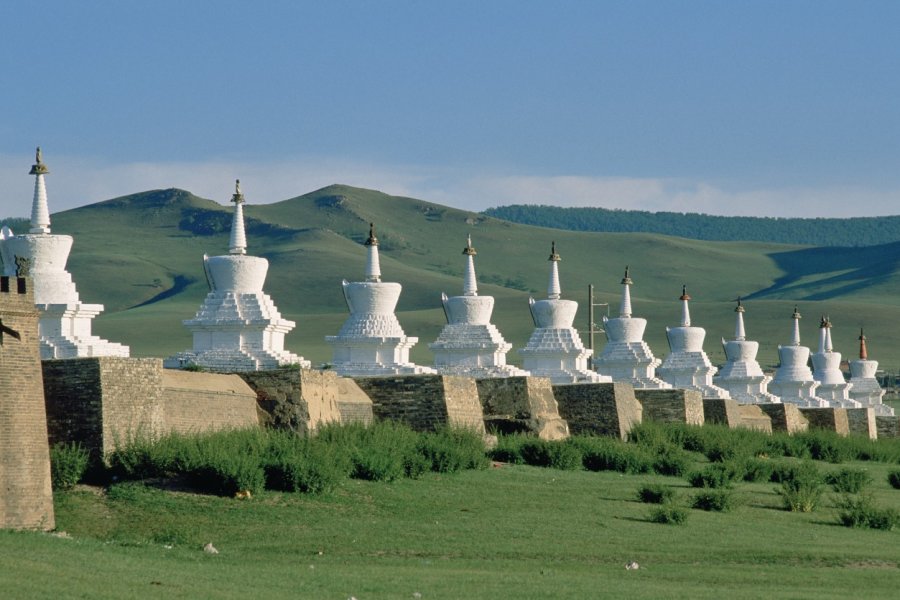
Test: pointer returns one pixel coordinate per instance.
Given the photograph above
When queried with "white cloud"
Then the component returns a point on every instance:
(76, 181)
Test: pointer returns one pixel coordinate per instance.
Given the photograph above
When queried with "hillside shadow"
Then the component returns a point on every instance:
(857, 269)
(178, 285)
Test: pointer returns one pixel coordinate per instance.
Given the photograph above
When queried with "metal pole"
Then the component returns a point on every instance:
(591, 325)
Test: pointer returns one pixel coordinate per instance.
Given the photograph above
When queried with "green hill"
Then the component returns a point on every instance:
(141, 256)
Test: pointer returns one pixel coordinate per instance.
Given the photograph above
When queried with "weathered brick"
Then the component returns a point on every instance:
(671, 406)
(599, 408)
(521, 404)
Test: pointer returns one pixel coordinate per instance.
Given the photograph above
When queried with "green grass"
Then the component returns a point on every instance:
(511, 532)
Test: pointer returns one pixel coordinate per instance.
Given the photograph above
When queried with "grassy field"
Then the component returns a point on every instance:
(507, 532)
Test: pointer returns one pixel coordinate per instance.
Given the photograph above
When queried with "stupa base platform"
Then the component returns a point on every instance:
(750, 390)
(599, 408)
(374, 370)
(476, 372)
(234, 361)
(671, 406)
(521, 405)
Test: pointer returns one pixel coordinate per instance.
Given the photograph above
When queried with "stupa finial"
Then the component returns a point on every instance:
(554, 290)
(685, 310)
(373, 265)
(470, 285)
(238, 242)
(795, 335)
(627, 280)
(40, 210)
(739, 333)
(625, 310)
(863, 353)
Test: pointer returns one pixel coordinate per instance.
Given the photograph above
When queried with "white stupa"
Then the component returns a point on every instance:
(626, 357)
(793, 381)
(470, 344)
(866, 389)
(555, 349)
(687, 366)
(65, 322)
(741, 374)
(371, 342)
(827, 371)
(237, 327)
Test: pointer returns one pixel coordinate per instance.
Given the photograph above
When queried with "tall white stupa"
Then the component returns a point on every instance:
(866, 389)
(238, 328)
(687, 366)
(371, 342)
(827, 371)
(469, 344)
(626, 357)
(555, 349)
(793, 381)
(741, 374)
(65, 322)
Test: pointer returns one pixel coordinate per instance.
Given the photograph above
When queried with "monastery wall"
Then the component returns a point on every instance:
(752, 417)
(722, 411)
(599, 408)
(300, 400)
(830, 419)
(785, 417)
(192, 402)
(888, 427)
(521, 405)
(671, 406)
(26, 499)
(862, 421)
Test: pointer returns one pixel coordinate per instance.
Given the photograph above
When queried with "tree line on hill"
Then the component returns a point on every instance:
(854, 231)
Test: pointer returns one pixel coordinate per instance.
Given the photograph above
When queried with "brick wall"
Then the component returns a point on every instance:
(785, 417)
(888, 427)
(862, 421)
(752, 417)
(26, 498)
(193, 402)
(722, 412)
(599, 408)
(353, 403)
(831, 419)
(671, 406)
(521, 404)
(425, 402)
(297, 399)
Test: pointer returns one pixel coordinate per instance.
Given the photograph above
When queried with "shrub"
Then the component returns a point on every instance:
(303, 465)
(383, 451)
(558, 455)
(671, 460)
(608, 454)
(450, 450)
(848, 481)
(68, 464)
(721, 500)
(826, 446)
(715, 475)
(801, 491)
(655, 494)
(509, 449)
(229, 474)
(757, 469)
(894, 479)
(669, 514)
(860, 511)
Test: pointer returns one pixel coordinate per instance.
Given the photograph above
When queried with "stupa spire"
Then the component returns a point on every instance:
(739, 333)
(554, 291)
(828, 345)
(685, 310)
(40, 211)
(824, 325)
(470, 286)
(625, 310)
(863, 353)
(373, 267)
(238, 243)
(795, 335)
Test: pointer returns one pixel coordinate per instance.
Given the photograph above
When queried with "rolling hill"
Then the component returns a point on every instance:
(140, 255)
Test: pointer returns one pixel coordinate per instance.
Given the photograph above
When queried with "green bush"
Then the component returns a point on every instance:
(450, 450)
(226, 475)
(68, 464)
(894, 479)
(655, 494)
(383, 451)
(757, 469)
(848, 481)
(509, 449)
(672, 461)
(827, 446)
(669, 514)
(860, 511)
(802, 490)
(295, 464)
(715, 475)
(558, 455)
(719, 500)
(608, 454)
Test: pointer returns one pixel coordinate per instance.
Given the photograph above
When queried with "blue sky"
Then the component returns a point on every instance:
(769, 108)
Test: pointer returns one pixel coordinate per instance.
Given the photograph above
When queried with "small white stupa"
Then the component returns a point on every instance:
(371, 342)
(626, 357)
(65, 322)
(866, 389)
(470, 344)
(741, 375)
(827, 371)
(555, 349)
(237, 327)
(793, 381)
(687, 366)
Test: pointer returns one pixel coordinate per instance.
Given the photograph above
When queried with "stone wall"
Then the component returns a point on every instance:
(102, 401)
(26, 498)
(425, 402)
(521, 404)
(888, 427)
(297, 399)
(785, 417)
(752, 417)
(671, 406)
(599, 408)
(722, 412)
(353, 403)
(862, 421)
(830, 419)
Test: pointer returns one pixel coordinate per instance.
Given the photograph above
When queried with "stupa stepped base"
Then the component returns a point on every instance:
(869, 394)
(691, 371)
(799, 393)
(567, 376)
(751, 390)
(477, 351)
(62, 347)
(376, 370)
(235, 361)
(238, 309)
(837, 395)
(632, 363)
(476, 372)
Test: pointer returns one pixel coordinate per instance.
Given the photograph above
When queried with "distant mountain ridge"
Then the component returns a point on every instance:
(846, 232)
